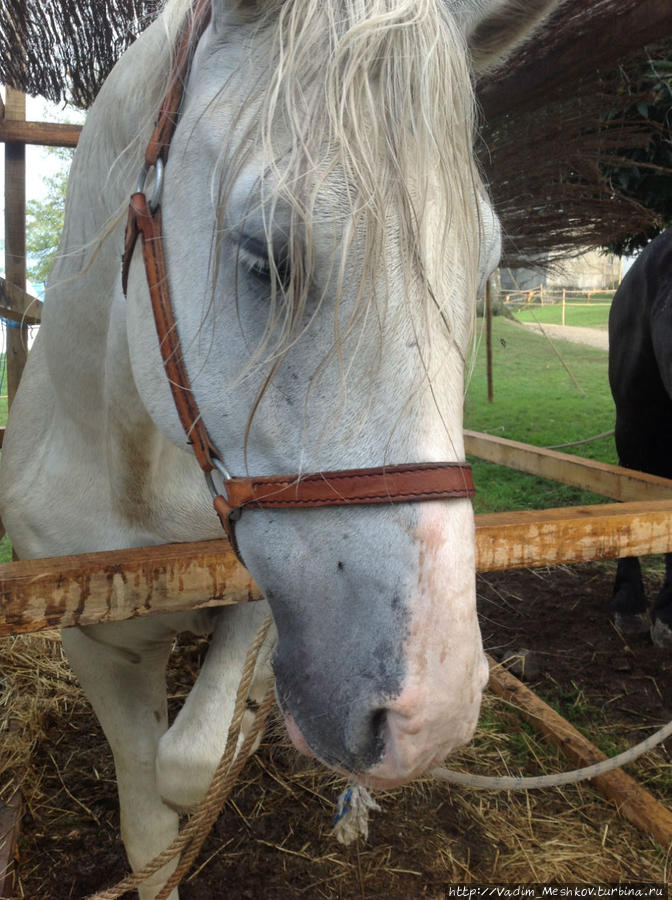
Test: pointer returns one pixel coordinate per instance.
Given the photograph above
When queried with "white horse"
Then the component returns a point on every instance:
(325, 229)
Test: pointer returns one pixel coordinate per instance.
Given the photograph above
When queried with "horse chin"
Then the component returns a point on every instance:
(296, 737)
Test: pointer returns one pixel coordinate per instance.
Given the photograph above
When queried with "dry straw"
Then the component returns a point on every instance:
(280, 814)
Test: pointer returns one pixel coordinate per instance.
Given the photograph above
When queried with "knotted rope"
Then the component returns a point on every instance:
(190, 839)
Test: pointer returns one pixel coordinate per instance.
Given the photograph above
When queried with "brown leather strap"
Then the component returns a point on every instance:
(407, 483)
(141, 221)
(170, 107)
(145, 222)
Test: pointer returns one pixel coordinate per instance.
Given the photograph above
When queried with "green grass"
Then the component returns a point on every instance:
(585, 316)
(5, 550)
(536, 401)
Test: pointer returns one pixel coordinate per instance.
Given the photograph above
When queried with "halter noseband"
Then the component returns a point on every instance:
(406, 483)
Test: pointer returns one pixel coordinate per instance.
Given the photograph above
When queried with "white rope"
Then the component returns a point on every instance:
(515, 783)
(352, 812)
(595, 437)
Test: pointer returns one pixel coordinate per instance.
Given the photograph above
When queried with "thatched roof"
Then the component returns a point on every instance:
(559, 128)
(555, 122)
(66, 49)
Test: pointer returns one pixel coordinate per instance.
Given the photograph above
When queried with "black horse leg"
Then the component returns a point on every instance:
(661, 630)
(640, 376)
(628, 601)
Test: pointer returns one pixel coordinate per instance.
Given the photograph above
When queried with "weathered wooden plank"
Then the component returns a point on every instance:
(121, 584)
(632, 801)
(115, 585)
(549, 537)
(15, 236)
(46, 134)
(19, 306)
(588, 474)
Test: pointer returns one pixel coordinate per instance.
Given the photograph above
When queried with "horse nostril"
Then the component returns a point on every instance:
(376, 736)
(377, 723)
(364, 739)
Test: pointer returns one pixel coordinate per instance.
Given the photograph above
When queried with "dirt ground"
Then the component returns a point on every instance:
(273, 839)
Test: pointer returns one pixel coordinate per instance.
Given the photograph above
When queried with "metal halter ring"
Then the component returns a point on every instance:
(223, 471)
(158, 183)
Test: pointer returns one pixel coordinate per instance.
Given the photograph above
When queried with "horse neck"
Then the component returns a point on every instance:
(85, 333)
(84, 286)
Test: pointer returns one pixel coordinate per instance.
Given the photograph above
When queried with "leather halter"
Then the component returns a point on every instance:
(406, 483)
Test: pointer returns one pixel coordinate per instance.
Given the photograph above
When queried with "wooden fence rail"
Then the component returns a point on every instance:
(606, 480)
(19, 306)
(549, 296)
(121, 584)
(44, 134)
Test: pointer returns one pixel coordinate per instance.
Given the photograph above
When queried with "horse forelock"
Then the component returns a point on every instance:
(365, 109)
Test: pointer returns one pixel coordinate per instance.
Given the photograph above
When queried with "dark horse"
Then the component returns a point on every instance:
(640, 375)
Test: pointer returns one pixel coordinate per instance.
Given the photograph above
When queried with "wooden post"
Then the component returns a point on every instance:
(564, 297)
(15, 238)
(488, 336)
(633, 802)
(16, 350)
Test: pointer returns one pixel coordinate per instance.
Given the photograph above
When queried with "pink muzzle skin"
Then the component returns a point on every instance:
(392, 771)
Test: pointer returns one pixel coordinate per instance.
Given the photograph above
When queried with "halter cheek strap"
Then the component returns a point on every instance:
(406, 483)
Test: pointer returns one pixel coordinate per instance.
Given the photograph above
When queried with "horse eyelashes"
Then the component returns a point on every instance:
(260, 266)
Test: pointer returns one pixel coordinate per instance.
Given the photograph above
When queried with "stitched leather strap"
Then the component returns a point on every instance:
(146, 223)
(407, 483)
(170, 107)
(141, 221)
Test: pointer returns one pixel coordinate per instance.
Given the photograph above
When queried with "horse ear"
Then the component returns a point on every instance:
(494, 28)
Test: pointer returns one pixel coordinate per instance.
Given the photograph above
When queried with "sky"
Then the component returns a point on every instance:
(40, 164)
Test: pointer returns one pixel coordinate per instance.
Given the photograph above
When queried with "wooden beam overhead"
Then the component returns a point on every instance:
(46, 134)
(19, 306)
(122, 584)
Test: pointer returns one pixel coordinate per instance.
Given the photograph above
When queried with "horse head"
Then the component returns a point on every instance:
(325, 231)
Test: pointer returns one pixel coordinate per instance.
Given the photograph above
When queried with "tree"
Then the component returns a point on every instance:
(44, 221)
(644, 173)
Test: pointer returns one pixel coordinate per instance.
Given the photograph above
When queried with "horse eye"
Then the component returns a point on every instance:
(255, 261)
(253, 256)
